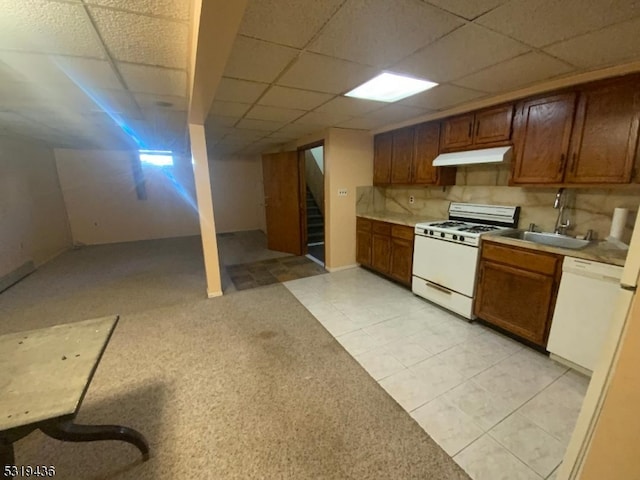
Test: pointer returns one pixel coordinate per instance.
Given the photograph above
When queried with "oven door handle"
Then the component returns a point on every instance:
(438, 287)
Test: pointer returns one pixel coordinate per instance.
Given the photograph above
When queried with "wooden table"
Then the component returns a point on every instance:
(44, 376)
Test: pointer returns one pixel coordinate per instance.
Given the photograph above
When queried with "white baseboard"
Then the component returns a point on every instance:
(214, 294)
(338, 269)
(570, 364)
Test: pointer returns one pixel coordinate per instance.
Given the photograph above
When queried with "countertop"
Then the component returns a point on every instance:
(397, 218)
(603, 251)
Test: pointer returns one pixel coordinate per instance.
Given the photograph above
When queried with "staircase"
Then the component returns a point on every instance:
(315, 221)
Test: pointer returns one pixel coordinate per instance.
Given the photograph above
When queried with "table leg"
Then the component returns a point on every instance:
(68, 431)
(7, 457)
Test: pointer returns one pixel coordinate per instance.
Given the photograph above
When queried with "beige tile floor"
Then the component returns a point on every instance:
(500, 409)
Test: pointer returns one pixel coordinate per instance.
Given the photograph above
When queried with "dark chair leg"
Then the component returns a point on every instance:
(68, 431)
(7, 457)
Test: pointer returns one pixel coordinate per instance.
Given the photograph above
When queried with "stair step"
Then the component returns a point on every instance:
(316, 237)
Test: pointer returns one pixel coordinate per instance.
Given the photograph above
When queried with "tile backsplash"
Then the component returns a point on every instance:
(587, 208)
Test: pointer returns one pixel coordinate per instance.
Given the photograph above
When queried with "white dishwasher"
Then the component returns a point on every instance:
(584, 308)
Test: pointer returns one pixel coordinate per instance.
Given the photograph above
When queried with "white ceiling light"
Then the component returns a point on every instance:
(390, 87)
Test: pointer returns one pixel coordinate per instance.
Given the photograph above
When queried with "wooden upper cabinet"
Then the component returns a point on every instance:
(457, 132)
(605, 135)
(541, 138)
(382, 153)
(402, 155)
(483, 129)
(493, 125)
(426, 149)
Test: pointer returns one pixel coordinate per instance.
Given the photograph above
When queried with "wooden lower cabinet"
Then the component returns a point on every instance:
(386, 248)
(517, 290)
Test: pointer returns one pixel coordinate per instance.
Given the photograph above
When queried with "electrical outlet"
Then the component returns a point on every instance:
(411, 199)
(342, 192)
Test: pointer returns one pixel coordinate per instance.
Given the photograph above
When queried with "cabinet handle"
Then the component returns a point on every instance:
(573, 162)
(561, 163)
(477, 128)
(438, 287)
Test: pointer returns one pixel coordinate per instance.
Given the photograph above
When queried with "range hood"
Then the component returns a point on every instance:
(474, 157)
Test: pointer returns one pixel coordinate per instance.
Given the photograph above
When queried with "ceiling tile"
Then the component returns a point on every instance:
(379, 32)
(52, 69)
(218, 122)
(297, 130)
(441, 97)
(256, 60)
(350, 106)
(266, 125)
(517, 72)
(276, 114)
(543, 22)
(616, 44)
(178, 9)
(168, 102)
(120, 102)
(364, 123)
(245, 134)
(468, 9)
(141, 39)
(460, 53)
(393, 113)
(161, 81)
(48, 27)
(231, 90)
(322, 119)
(232, 109)
(293, 98)
(287, 22)
(325, 74)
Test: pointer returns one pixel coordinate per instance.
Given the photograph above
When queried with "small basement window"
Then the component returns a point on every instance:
(158, 158)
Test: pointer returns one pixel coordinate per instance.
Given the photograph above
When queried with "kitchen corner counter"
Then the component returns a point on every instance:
(392, 217)
(597, 251)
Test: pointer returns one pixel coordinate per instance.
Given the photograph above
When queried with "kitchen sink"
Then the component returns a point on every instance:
(551, 239)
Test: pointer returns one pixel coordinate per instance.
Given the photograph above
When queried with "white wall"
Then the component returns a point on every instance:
(238, 193)
(33, 219)
(100, 196)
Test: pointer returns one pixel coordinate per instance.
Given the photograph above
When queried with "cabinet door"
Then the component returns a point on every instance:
(402, 156)
(426, 149)
(515, 300)
(382, 151)
(493, 125)
(541, 138)
(381, 252)
(605, 136)
(457, 133)
(363, 241)
(401, 260)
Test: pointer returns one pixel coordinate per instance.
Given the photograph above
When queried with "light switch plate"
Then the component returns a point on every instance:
(411, 199)
(342, 192)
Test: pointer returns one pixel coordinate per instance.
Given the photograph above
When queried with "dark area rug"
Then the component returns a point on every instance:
(275, 270)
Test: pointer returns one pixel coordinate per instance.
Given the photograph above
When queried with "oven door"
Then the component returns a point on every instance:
(450, 265)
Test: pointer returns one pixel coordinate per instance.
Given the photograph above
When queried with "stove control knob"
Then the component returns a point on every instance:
(442, 235)
(425, 231)
(455, 237)
(430, 232)
(461, 238)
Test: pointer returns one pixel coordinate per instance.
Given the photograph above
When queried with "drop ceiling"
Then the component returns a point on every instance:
(79, 73)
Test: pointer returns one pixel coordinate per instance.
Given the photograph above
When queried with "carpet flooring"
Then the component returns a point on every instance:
(274, 270)
(248, 385)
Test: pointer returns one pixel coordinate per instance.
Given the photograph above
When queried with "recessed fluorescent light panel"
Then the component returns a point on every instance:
(390, 87)
(158, 158)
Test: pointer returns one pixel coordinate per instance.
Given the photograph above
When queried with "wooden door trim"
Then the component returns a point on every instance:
(302, 202)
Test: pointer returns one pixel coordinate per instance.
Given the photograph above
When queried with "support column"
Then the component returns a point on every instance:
(205, 209)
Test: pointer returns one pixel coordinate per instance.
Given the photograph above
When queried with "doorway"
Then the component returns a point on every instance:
(313, 163)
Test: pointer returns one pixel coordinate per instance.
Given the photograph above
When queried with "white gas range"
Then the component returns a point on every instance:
(445, 254)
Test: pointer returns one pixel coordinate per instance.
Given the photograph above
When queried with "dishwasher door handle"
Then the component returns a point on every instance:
(438, 287)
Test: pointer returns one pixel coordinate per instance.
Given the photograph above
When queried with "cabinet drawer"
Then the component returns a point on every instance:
(363, 224)
(381, 228)
(545, 263)
(400, 231)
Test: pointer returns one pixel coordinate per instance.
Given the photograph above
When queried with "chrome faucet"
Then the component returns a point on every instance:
(562, 225)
